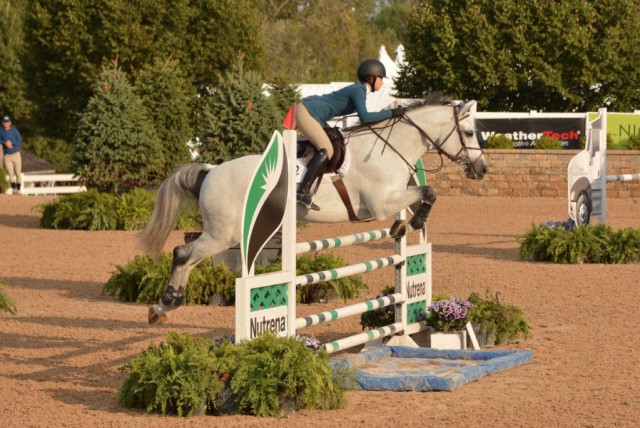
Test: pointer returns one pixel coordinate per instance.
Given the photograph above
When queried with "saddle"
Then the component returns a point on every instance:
(307, 150)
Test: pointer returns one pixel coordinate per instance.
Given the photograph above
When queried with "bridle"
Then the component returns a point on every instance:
(462, 158)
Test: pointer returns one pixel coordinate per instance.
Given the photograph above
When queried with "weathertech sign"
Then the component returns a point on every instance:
(524, 132)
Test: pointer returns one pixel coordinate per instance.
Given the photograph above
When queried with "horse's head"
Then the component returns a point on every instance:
(450, 128)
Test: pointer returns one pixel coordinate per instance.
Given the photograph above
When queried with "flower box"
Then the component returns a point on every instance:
(449, 340)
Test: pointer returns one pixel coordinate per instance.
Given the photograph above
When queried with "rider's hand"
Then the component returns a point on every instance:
(398, 112)
(9, 144)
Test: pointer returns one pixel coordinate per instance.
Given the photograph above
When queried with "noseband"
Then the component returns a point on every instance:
(462, 158)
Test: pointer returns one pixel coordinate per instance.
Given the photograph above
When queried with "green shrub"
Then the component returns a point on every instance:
(633, 143)
(499, 141)
(548, 143)
(582, 244)
(188, 375)
(93, 210)
(381, 316)
(6, 303)
(345, 288)
(142, 281)
(504, 322)
(270, 369)
(180, 377)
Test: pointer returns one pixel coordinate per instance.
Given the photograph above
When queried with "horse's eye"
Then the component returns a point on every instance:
(468, 133)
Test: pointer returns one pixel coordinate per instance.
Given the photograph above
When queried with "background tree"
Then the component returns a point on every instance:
(116, 145)
(323, 41)
(509, 55)
(12, 84)
(238, 118)
(69, 40)
(167, 99)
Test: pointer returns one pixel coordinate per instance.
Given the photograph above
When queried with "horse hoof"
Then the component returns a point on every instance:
(398, 229)
(156, 316)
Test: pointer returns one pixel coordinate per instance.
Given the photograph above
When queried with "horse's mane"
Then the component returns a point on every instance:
(431, 98)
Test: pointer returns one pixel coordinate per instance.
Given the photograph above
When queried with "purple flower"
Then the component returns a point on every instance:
(451, 314)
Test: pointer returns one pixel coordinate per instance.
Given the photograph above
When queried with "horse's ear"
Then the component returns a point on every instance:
(469, 107)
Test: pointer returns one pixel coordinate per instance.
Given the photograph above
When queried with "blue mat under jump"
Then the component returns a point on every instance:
(399, 368)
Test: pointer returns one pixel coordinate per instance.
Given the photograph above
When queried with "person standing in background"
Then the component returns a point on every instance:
(11, 141)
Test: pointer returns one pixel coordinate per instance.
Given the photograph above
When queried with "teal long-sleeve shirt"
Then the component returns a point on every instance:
(348, 100)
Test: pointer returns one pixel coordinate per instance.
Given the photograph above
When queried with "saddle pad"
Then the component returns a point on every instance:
(301, 168)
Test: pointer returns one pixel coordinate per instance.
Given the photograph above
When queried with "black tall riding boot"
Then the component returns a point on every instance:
(314, 169)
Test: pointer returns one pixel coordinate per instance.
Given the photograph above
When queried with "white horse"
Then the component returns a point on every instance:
(383, 156)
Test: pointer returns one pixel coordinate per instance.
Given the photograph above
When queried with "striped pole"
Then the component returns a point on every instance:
(347, 311)
(359, 339)
(328, 275)
(342, 241)
(623, 177)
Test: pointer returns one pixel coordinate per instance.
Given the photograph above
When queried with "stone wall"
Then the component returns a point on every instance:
(529, 173)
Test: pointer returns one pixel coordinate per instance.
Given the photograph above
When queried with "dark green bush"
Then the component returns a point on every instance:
(180, 377)
(633, 143)
(142, 281)
(188, 375)
(93, 210)
(503, 321)
(548, 143)
(499, 141)
(381, 316)
(582, 244)
(345, 288)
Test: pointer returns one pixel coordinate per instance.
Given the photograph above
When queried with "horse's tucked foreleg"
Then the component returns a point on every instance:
(399, 227)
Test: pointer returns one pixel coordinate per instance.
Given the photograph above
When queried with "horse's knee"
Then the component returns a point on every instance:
(429, 195)
(172, 297)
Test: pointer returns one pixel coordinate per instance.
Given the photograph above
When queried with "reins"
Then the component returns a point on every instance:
(461, 157)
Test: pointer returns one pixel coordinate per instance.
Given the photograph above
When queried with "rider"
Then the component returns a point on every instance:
(313, 112)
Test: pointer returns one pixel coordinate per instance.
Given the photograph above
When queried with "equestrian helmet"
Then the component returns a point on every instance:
(371, 68)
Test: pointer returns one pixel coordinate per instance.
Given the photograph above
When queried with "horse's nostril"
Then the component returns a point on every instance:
(485, 169)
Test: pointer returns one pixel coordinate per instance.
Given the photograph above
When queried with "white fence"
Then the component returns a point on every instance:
(49, 184)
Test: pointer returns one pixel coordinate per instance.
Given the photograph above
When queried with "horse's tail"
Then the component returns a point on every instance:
(185, 181)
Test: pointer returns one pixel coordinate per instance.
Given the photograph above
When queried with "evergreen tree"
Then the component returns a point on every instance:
(165, 95)
(282, 96)
(116, 145)
(237, 118)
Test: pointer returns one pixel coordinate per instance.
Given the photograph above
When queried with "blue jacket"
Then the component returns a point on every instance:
(13, 135)
(350, 99)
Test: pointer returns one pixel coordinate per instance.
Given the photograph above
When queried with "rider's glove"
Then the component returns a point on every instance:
(398, 112)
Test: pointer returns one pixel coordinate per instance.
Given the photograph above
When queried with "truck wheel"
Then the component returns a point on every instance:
(583, 209)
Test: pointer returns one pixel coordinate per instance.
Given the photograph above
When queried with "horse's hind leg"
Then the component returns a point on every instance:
(185, 258)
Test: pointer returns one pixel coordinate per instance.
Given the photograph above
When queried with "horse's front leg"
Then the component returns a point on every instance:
(398, 200)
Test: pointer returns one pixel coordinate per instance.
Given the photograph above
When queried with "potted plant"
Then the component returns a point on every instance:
(447, 319)
(495, 322)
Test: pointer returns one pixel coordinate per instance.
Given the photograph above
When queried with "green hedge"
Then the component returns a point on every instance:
(581, 244)
(93, 210)
(190, 375)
